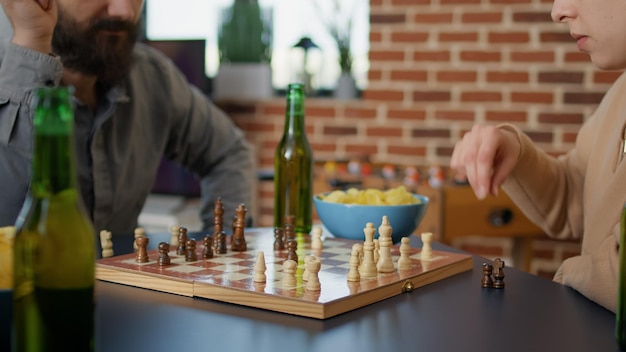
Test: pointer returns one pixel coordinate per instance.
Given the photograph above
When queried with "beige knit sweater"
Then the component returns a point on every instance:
(581, 195)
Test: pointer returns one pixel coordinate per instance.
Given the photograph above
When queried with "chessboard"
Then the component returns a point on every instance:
(229, 277)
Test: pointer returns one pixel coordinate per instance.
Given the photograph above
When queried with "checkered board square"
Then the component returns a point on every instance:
(229, 277)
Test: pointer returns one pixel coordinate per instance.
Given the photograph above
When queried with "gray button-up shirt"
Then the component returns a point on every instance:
(119, 146)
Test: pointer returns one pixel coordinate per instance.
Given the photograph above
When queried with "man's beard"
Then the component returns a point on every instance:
(89, 51)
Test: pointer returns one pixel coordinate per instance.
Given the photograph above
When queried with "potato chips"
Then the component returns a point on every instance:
(371, 196)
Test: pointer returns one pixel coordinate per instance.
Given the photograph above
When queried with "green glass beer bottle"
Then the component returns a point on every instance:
(293, 167)
(54, 249)
(620, 313)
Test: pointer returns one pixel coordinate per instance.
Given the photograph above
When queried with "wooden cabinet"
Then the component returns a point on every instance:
(455, 212)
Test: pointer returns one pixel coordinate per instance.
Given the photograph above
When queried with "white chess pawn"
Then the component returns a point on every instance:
(404, 262)
(259, 267)
(316, 238)
(174, 236)
(305, 273)
(138, 233)
(289, 274)
(427, 249)
(313, 284)
(106, 243)
(353, 274)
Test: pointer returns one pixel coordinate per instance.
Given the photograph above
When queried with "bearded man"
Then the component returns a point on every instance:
(132, 107)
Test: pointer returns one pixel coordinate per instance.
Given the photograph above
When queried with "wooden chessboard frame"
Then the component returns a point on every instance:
(337, 294)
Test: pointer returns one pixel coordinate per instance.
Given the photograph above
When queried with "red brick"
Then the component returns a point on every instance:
(409, 75)
(540, 137)
(458, 37)
(259, 127)
(561, 77)
(383, 95)
(582, 98)
(482, 17)
(570, 137)
(433, 18)
(409, 37)
(444, 151)
(374, 75)
(376, 36)
(606, 76)
(532, 17)
(431, 56)
(387, 18)
(340, 131)
(457, 76)
(508, 37)
(481, 56)
(507, 76)
(459, 2)
(532, 97)
(430, 132)
(361, 113)
(556, 118)
(274, 110)
(577, 57)
(555, 37)
(406, 114)
(511, 1)
(378, 131)
(431, 96)
(409, 2)
(532, 56)
(506, 116)
(317, 111)
(484, 96)
(386, 55)
(366, 149)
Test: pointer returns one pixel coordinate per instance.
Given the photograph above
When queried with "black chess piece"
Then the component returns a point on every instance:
(292, 248)
(221, 247)
(164, 256)
(487, 281)
(498, 273)
(182, 241)
(207, 251)
(191, 255)
(279, 234)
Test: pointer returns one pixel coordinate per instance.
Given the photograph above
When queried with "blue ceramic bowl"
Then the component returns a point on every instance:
(348, 220)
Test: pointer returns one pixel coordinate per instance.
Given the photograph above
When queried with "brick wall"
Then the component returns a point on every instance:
(436, 68)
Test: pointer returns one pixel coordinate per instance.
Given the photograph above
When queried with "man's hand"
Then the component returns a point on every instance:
(33, 22)
(486, 156)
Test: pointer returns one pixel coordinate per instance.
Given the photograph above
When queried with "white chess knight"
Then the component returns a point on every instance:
(106, 244)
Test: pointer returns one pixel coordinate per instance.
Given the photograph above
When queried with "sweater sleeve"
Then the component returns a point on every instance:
(593, 274)
(547, 190)
(21, 71)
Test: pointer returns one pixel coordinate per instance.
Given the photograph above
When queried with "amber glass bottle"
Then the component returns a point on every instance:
(293, 167)
(54, 251)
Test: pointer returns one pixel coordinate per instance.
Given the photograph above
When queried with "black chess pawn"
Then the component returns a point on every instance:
(191, 255)
(164, 257)
(279, 234)
(292, 248)
(207, 251)
(498, 273)
(487, 281)
(221, 247)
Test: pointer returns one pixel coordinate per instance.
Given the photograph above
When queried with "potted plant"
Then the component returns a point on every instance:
(339, 26)
(244, 43)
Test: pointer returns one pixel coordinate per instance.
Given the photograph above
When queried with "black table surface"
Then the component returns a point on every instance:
(455, 314)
